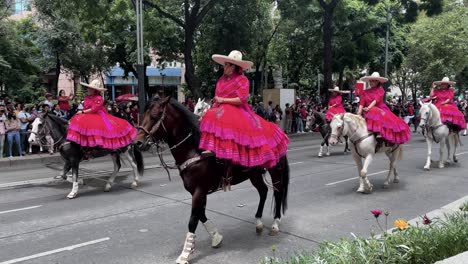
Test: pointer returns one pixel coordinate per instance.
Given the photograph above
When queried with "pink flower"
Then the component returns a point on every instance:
(426, 220)
(376, 212)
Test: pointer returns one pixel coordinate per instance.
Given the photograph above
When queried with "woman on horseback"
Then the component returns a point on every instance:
(231, 129)
(380, 120)
(94, 127)
(443, 100)
(335, 105)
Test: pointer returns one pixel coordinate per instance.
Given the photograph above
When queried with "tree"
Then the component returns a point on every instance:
(438, 46)
(188, 15)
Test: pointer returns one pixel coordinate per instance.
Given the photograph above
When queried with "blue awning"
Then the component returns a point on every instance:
(150, 71)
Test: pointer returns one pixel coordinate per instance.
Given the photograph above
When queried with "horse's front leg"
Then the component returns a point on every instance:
(455, 138)
(429, 152)
(346, 145)
(363, 173)
(74, 192)
(392, 156)
(198, 206)
(136, 175)
(117, 165)
(357, 159)
(320, 154)
(328, 145)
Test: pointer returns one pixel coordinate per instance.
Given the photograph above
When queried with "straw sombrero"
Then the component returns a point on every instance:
(375, 76)
(337, 90)
(235, 57)
(96, 84)
(444, 80)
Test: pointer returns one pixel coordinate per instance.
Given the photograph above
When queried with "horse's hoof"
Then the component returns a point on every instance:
(455, 160)
(441, 166)
(217, 240)
(72, 195)
(181, 261)
(259, 229)
(107, 188)
(385, 186)
(134, 185)
(274, 232)
(328, 154)
(396, 180)
(320, 155)
(427, 168)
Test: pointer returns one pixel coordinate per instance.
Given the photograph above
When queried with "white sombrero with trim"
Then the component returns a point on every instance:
(375, 76)
(235, 57)
(96, 84)
(444, 80)
(337, 90)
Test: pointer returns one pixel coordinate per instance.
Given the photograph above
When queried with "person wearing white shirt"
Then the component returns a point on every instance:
(2, 128)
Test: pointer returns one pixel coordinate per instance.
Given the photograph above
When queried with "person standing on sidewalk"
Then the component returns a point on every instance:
(12, 126)
(289, 116)
(2, 128)
(23, 117)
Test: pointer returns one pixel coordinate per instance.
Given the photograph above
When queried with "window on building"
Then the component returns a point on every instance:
(21, 5)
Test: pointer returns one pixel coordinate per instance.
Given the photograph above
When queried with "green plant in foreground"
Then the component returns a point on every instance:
(437, 239)
(464, 207)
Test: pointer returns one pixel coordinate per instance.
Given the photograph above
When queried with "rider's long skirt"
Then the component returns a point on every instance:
(391, 127)
(100, 130)
(236, 133)
(450, 114)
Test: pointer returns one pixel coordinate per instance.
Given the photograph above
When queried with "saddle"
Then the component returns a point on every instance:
(94, 152)
(381, 142)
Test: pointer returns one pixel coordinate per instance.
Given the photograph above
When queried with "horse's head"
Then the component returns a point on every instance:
(201, 107)
(152, 128)
(36, 126)
(337, 126)
(427, 113)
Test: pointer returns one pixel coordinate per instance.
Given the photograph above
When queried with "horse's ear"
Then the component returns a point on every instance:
(199, 100)
(166, 100)
(421, 103)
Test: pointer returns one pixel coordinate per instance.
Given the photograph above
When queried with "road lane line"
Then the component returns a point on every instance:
(43, 254)
(461, 153)
(294, 163)
(350, 179)
(20, 209)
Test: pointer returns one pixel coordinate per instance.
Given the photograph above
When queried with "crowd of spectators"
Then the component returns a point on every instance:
(17, 116)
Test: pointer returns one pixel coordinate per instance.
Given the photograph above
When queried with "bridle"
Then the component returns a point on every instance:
(157, 143)
(40, 134)
(339, 130)
(428, 128)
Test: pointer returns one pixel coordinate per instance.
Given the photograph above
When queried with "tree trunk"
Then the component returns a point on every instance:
(193, 82)
(340, 79)
(57, 74)
(328, 10)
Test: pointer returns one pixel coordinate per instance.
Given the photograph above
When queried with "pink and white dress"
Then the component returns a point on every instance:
(449, 112)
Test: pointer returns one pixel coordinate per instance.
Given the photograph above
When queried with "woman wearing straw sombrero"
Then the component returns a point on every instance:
(335, 105)
(231, 129)
(442, 97)
(379, 118)
(94, 127)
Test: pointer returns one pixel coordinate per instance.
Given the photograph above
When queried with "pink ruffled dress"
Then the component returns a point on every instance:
(337, 109)
(97, 128)
(449, 112)
(381, 120)
(236, 133)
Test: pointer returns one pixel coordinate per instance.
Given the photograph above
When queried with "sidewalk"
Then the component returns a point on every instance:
(27, 160)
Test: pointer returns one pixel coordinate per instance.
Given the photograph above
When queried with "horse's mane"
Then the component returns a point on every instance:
(319, 117)
(190, 119)
(58, 126)
(359, 120)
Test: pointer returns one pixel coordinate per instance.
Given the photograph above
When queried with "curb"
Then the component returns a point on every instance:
(28, 160)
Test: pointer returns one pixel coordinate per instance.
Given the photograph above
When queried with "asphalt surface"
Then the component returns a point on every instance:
(148, 225)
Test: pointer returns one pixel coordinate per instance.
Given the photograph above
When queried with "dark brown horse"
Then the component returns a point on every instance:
(169, 121)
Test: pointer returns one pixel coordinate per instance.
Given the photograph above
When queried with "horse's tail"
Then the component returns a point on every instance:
(139, 160)
(285, 185)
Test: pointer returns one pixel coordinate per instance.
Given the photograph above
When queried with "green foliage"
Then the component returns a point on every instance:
(20, 59)
(438, 46)
(427, 244)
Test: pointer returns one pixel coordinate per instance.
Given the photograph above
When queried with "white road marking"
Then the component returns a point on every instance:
(69, 248)
(20, 209)
(350, 179)
(294, 163)
(82, 175)
(461, 153)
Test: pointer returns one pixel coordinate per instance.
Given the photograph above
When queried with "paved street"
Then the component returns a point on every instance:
(39, 225)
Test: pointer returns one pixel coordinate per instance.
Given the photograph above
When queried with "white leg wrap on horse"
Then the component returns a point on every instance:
(320, 151)
(259, 225)
(275, 226)
(216, 237)
(189, 247)
(74, 191)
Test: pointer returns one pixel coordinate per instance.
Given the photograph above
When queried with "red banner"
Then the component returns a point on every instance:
(359, 88)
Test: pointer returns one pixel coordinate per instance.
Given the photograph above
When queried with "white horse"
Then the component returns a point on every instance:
(435, 131)
(201, 107)
(363, 146)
